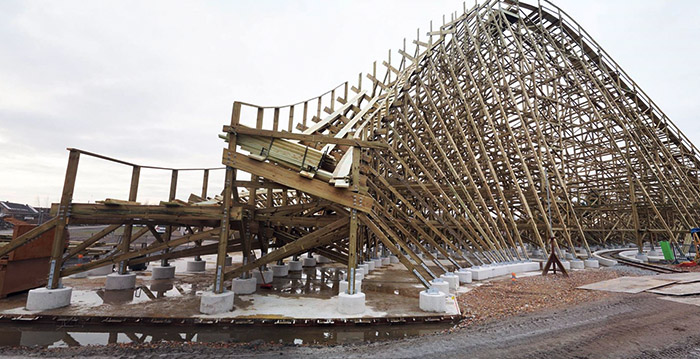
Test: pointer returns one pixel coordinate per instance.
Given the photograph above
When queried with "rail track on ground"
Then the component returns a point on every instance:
(651, 267)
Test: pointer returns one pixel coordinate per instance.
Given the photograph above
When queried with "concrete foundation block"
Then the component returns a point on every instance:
(642, 257)
(263, 277)
(212, 303)
(280, 270)
(481, 272)
(294, 266)
(386, 261)
(196, 266)
(591, 263)
(364, 267)
(116, 281)
(577, 264)
(343, 286)
(370, 265)
(104, 270)
(160, 272)
(351, 304)
(377, 263)
(500, 270)
(451, 279)
(394, 259)
(308, 262)
(569, 256)
(441, 285)
(45, 299)
(464, 275)
(243, 286)
(566, 264)
(531, 266)
(432, 302)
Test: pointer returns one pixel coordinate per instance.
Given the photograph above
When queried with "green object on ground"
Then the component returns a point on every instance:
(666, 249)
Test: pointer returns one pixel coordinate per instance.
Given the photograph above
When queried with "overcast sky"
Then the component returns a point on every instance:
(152, 82)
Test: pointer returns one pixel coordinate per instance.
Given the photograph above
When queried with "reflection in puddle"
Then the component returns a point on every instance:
(140, 294)
(46, 336)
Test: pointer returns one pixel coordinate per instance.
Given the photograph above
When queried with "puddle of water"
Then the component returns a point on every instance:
(47, 336)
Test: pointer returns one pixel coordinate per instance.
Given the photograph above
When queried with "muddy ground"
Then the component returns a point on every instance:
(574, 324)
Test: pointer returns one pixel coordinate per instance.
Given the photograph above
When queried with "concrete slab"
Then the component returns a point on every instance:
(628, 284)
(685, 300)
(678, 289)
(689, 277)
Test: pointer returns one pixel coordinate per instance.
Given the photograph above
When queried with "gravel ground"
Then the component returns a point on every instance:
(553, 320)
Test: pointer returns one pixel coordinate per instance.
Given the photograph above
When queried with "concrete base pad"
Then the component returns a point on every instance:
(370, 265)
(386, 261)
(591, 263)
(308, 262)
(442, 286)
(351, 303)
(365, 268)
(432, 302)
(196, 266)
(642, 257)
(464, 275)
(451, 279)
(577, 264)
(294, 266)
(377, 263)
(212, 303)
(394, 259)
(243, 286)
(160, 272)
(265, 277)
(280, 270)
(45, 299)
(343, 286)
(566, 264)
(116, 281)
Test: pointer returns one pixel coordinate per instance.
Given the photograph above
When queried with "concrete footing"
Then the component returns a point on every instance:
(308, 262)
(394, 259)
(432, 302)
(343, 286)
(45, 299)
(160, 272)
(196, 266)
(464, 275)
(116, 281)
(364, 267)
(577, 264)
(591, 263)
(351, 303)
(213, 303)
(263, 277)
(243, 286)
(280, 270)
(566, 264)
(370, 265)
(642, 257)
(294, 266)
(386, 261)
(451, 279)
(441, 285)
(377, 263)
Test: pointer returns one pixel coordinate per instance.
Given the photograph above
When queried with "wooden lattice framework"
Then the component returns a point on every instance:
(505, 126)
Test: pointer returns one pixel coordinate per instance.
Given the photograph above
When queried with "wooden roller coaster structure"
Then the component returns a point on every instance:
(504, 127)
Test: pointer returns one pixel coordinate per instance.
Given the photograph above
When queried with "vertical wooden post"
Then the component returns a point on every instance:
(169, 230)
(205, 187)
(352, 247)
(229, 188)
(59, 239)
(126, 236)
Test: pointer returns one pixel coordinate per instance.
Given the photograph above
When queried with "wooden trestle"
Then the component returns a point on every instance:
(505, 126)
